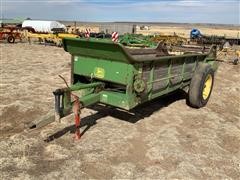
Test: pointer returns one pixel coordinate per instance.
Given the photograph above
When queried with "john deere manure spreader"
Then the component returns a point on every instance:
(109, 73)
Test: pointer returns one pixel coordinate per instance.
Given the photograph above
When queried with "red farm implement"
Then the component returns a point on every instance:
(10, 34)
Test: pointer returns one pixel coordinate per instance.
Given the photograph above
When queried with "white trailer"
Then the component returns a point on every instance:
(42, 26)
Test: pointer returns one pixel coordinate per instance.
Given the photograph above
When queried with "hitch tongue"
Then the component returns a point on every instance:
(43, 121)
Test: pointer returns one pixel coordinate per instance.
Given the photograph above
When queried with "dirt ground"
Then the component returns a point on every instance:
(165, 139)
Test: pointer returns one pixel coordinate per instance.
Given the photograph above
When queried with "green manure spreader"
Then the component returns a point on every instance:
(109, 73)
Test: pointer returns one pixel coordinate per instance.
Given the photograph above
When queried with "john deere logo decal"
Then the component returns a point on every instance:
(99, 72)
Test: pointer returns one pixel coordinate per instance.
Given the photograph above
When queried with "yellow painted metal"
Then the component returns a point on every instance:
(50, 35)
(207, 87)
(40, 35)
(99, 72)
(55, 38)
(66, 35)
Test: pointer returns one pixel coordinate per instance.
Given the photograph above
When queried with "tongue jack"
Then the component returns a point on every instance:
(76, 110)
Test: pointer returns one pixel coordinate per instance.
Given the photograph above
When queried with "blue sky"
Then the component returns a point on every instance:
(188, 11)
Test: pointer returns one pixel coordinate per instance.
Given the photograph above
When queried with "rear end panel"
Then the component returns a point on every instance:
(104, 70)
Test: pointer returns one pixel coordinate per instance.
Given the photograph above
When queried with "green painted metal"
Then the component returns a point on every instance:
(113, 71)
(106, 72)
(90, 99)
(137, 40)
(96, 48)
(81, 86)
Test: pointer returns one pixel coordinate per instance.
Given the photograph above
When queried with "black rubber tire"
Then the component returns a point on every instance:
(11, 39)
(195, 97)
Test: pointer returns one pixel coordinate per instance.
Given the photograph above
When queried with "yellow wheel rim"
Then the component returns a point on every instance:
(207, 87)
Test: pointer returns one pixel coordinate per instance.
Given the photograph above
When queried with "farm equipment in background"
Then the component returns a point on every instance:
(50, 38)
(138, 40)
(199, 38)
(170, 40)
(28, 33)
(10, 34)
(100, 35)
(108, 73)
(58, 34)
